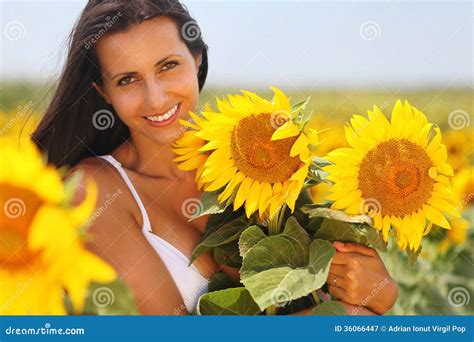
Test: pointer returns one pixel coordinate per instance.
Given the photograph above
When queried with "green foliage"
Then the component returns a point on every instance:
(284, 267)
(114, 298)
(234, 301)
(333, 230)
(329, 308)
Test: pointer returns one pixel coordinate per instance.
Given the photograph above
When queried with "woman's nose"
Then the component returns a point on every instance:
(156, 97)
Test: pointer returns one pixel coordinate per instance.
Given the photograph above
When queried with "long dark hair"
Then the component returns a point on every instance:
(66, 133)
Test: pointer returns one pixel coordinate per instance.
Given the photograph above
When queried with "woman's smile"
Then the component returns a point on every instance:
(164, 119)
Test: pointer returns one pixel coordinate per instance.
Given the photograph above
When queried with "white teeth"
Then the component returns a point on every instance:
(165, 116)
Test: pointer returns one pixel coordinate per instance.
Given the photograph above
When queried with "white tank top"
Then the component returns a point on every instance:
(189, 281)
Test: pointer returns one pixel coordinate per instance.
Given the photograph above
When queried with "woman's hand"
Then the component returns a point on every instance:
(358, 276)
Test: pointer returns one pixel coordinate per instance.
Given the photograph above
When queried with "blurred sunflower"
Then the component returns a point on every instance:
(20, 123)
(395, 172)
(463, 188)
(459, 143)
(463, 185)
(254, 149)
(41, 250)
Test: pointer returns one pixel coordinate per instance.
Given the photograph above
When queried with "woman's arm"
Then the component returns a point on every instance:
(116, 237)
(357, 276)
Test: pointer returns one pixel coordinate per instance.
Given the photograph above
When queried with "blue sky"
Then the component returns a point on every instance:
(319, 44)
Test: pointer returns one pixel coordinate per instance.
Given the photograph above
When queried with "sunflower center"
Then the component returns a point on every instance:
(17, 210)
(395, 173)
(257, 156)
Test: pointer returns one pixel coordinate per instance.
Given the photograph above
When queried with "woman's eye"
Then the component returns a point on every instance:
(126, 80)
(170, 65)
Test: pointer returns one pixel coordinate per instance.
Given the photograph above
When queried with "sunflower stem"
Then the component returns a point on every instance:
(315, 297)
(280, 216)
(274, 226)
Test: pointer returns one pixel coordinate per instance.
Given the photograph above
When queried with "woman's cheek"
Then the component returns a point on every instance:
(188, 84)
(128, 109)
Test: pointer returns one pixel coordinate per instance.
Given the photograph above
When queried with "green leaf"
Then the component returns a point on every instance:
(303, 198)
(314, 223)
(317, 210)
(287, 266)
(334, 230)
(113, 298)
(223, 235)
(329, 308)
(234, 301)
(228, 254)
(215, 221)
(299, 237)
(320, 162)
(249, 238)
(220, 281)
(209, 204)
(412, 256)
(299, 106)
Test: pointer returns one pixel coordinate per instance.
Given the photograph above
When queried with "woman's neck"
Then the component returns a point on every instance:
(148, 158)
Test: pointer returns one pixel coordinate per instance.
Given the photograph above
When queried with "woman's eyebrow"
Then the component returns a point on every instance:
(156, 64)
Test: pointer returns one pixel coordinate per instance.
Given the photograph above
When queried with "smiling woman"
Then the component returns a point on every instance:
(125, 83)
(106, 51)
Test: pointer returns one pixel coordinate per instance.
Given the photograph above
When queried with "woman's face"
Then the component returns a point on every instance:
(150, 78)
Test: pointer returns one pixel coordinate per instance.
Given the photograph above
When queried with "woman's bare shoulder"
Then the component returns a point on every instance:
(113, 200)
(96, 168)
(101, 172)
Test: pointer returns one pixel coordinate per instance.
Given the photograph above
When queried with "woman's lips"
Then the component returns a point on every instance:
(165, 122)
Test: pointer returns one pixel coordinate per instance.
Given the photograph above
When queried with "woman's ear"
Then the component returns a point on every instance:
(101, 92)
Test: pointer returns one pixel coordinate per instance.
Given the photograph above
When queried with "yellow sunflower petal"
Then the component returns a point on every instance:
(287, 130)
(435, 216)
(300, 146)
(243, 192)
(280, 99)
(251, 203)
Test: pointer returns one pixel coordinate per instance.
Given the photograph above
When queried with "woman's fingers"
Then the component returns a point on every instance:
(338, 270)
(343, 258)
(355, 247)
(337, 292)
(335, 280)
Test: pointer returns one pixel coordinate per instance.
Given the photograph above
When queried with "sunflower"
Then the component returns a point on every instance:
(252, 151)
(396, 172)
(41, 249)
(459, 145)
(463, 187)
(20, 123)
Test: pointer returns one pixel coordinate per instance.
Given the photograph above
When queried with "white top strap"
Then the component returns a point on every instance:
(118, 166)
(189, 281)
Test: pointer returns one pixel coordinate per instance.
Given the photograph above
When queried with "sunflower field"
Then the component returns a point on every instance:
(436, 280)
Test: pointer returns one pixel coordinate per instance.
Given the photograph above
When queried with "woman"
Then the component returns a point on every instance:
(140, 67)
